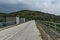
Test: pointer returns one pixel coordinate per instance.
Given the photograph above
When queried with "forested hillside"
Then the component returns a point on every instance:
(36, 15)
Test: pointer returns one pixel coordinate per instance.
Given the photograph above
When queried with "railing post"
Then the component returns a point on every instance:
(49, 24)
(4, 24)
(55, 27)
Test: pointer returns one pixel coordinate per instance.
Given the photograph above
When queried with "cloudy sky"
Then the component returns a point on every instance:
(50, 6)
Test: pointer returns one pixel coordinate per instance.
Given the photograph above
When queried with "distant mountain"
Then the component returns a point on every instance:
(35, 15)
(3, 14)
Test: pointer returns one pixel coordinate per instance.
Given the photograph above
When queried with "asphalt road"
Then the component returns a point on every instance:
(25, 31)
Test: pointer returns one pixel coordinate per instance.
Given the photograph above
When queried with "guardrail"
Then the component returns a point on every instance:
(4, 24)
(55, 26)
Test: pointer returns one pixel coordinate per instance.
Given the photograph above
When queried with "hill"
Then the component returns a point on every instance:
(35, 15)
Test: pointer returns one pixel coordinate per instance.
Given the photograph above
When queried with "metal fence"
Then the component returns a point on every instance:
(4, 24)
(54, 26)
(7, 21)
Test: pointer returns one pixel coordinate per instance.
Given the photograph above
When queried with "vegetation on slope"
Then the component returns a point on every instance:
(35, 15)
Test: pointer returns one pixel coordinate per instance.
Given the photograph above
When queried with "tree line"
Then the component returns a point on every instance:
(33, 15)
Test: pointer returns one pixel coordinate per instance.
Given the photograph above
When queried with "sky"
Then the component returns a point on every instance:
(48, 6)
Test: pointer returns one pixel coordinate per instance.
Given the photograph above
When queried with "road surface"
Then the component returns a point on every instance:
(25, 31)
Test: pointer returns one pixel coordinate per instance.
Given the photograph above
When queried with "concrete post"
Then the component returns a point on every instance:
(22, 20)
(17, 20)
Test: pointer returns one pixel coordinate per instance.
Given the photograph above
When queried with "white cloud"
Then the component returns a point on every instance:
(10, 1)
(51, 6)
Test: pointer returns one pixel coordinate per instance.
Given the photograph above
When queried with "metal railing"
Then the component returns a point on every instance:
(4, 24)
(55, 26)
